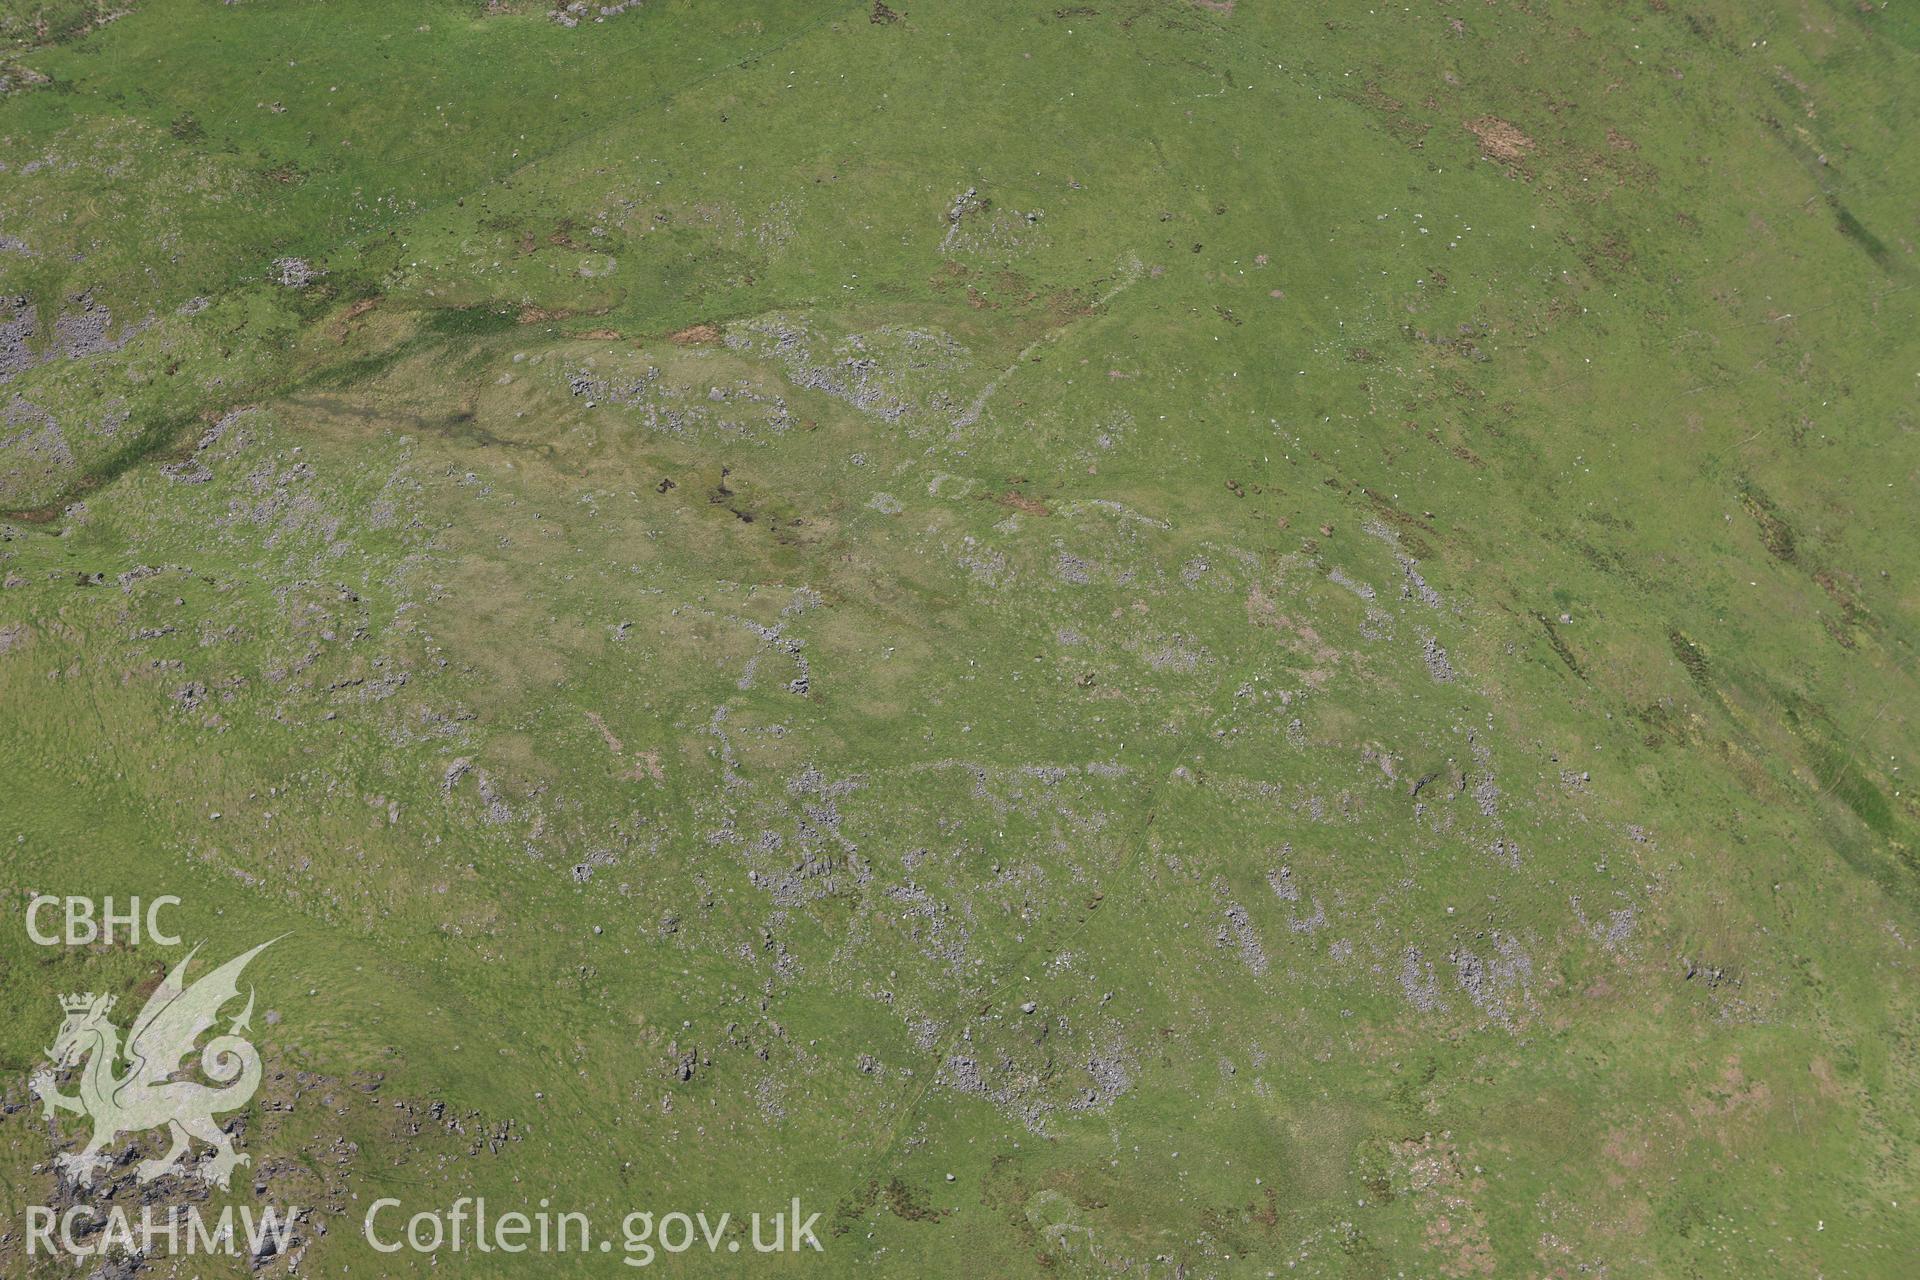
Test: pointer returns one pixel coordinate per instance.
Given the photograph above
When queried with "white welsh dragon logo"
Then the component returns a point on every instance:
(146, 1096)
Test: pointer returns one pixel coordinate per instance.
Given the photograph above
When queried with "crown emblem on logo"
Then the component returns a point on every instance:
(85, 1001)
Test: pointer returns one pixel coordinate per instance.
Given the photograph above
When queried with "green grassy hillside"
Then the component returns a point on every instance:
(1158, 638)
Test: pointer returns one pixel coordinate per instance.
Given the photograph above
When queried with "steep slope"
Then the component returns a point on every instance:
(1153, 638)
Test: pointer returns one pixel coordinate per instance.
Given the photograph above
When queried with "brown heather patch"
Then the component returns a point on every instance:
(1500, 140)
(696, 335)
